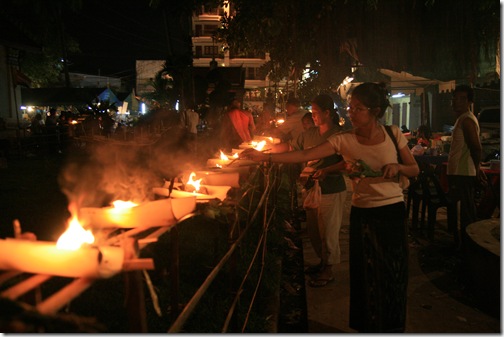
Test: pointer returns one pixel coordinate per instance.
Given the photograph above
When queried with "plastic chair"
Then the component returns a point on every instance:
(426, 191)
(416, 197)
(436, 198)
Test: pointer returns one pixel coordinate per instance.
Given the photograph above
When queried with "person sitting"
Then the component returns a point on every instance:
(423, 135)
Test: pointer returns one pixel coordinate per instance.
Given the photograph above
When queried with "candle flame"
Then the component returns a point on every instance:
(235, 156)
(195, 183)
(223, 156)
(280, 121)
(120, 204)
(259, 146)
(75, 236)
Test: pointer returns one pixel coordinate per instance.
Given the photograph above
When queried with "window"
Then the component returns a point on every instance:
(210, 51)
(251, 74)
(198, 30)
(209, 30)
(198, 52)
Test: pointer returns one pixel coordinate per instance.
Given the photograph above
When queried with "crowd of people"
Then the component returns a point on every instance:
(378, 219)
(318, 147)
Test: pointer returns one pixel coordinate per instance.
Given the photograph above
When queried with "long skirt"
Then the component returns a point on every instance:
(378, 268)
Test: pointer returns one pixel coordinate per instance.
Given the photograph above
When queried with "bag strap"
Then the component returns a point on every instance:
(394, 140)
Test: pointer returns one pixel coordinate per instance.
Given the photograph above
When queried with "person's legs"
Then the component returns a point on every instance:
(331, 216)
(378, 269)
(329, 225)
(312, 229)
(462, 190)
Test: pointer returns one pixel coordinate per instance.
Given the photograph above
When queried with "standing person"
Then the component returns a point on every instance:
(323, 224)
(464, 158)
(237, 126)
(292, 127)
(190, 120)
(265, 116)
(378, 232)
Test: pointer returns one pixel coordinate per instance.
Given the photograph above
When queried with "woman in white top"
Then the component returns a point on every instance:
(378, 231)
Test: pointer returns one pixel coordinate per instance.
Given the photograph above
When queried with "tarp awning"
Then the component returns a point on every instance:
(59, 96)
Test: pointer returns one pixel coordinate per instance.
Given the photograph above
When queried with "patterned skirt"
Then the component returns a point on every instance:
(378, 268)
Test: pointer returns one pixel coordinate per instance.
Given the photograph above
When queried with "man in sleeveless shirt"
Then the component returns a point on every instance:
(464, 159)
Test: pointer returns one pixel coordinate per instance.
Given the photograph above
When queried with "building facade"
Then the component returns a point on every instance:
(209, 53)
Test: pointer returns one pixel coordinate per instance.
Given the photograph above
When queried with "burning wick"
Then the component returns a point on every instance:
(74, 237)
(195, 183)
(259, 145)
(223, 156)
(120, 204)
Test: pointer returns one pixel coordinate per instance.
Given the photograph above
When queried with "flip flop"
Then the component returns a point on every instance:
(311, 270)
(320, 282)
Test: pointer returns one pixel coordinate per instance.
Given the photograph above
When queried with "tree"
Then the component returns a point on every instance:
(162, 95)
(177, 21)
(43, 22)
(446, 40)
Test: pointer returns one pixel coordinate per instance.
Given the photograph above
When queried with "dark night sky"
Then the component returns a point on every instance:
(113, 34)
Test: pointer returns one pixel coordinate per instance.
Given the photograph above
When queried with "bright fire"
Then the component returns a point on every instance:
(223, 156)
(195, 183)
(259, 145)
(75, 236)
(120, 204)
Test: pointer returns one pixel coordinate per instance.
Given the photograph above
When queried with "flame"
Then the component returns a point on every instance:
(75, 236)
(280, 121)
(218, 165)
(121, 205)
(236, 155)
(223, 156)
(259, 146)
(195, 183)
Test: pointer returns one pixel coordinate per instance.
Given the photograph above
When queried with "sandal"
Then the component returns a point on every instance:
(320, 282)
(311, 270)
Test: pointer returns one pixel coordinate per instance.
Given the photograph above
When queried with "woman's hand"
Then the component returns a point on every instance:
(320, 174)
(254, 155)
(391, 170)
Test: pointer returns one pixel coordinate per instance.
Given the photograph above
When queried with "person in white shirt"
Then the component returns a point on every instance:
(464, 158)
(378, 230)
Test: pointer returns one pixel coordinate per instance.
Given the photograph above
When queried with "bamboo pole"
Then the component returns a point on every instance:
(25, 286)
(55, 302)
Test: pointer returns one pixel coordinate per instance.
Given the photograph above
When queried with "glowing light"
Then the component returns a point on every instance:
(259, 145)
(398, 95)
(120, 204)
(75, 236)
(195, 183)
(223, 156)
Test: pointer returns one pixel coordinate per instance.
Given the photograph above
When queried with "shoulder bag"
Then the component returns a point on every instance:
(403, 180)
